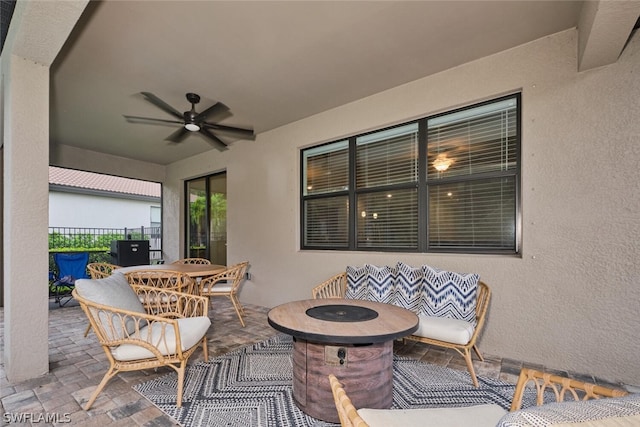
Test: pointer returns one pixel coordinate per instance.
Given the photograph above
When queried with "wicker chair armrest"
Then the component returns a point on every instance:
(167, 303)
(210, 281)
(347, 412)
(482, 305)
(562, 387)
(334, 287)
(233, 274)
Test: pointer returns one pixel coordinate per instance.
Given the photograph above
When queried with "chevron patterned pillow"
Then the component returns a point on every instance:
(356, 283)
(409, 284)
(381, 283)
(449, 294)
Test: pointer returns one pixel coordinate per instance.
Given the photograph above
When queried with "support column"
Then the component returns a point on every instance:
(26, 195)
(37, 32)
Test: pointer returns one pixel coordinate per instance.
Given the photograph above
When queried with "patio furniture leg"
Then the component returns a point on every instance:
(180, 383)
(472, 372)
(477, 350)
(238, 307)
(110, 374)
(205, 349)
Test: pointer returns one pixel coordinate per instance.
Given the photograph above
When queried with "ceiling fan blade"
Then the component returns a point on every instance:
(161, 104)
(220, 144)
(214, 110)
(247, 133)
(179, 135)
(150, 119)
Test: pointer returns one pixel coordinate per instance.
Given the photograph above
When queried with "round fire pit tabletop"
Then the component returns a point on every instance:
(323, 321)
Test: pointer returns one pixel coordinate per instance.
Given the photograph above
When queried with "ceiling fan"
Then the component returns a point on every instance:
(192, 121)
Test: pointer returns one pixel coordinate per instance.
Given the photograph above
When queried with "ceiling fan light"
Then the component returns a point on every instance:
(192, 127)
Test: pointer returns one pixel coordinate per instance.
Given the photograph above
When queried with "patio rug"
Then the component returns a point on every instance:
(251, 386)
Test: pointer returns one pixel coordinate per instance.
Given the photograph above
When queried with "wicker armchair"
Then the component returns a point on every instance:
(100, 270)
(478, 415)
(192, 261)
(482, 303)
(226, 284)
(133, 339)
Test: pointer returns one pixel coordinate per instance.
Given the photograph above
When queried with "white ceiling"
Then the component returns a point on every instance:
(271, 63)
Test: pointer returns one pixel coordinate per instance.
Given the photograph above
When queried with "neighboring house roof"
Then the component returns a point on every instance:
(99, 183)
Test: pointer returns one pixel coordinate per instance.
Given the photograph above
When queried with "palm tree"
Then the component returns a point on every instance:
(217, 214)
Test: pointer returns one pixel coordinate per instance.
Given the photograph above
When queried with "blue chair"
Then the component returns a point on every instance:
(71, 267)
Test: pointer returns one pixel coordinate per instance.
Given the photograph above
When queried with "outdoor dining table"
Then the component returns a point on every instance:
(195, 271)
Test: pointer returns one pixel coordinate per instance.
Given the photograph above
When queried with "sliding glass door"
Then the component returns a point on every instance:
(206, 228)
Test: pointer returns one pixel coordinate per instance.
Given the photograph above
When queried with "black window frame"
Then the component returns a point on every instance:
(423, 186)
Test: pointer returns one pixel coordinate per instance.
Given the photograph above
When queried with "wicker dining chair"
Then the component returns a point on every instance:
(166, 279)
(161, 279)
(192, 261)
(226, 284)
(100, 270)
(134, 338)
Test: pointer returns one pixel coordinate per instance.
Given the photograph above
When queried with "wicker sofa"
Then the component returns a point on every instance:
(451, 307)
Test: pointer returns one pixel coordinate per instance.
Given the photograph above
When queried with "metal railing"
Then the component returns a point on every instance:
(97, 241)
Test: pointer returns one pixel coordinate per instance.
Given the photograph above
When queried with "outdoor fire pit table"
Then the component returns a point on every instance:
(352, 339)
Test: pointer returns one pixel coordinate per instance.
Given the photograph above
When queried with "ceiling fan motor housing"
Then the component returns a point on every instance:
(193, 98)
(190, 122)
(190, 116)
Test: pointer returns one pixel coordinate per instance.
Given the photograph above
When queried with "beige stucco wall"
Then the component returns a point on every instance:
(572, 300)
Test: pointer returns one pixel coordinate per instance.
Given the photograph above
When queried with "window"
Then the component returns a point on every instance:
(326, 189)
(386, 188)
(445, 183)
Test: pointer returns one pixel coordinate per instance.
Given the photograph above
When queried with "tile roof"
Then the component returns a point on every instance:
(99, 182)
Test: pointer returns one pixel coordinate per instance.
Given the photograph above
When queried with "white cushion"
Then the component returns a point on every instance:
(192, 329)
(444, 329)
(152, 299)
(113, 291)
(221, 288)
(475, 416)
